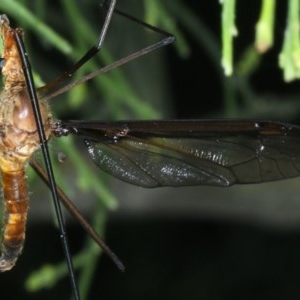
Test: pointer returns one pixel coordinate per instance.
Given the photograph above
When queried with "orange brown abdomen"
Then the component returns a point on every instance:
(16, 203)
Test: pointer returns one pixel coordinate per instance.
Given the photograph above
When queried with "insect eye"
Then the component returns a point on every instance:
(2, 62)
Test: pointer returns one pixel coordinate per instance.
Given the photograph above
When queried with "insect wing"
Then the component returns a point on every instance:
(186, 153)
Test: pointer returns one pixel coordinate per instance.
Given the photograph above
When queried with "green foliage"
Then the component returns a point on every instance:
(290, 53)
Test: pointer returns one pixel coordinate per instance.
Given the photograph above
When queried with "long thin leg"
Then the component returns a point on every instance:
(45, 150)
(167, 38)
(68, 204)
(87, 56)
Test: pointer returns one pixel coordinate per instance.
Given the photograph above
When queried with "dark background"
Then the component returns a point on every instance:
(197, 243)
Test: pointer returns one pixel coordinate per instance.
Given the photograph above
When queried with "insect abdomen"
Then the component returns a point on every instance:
(16, 203)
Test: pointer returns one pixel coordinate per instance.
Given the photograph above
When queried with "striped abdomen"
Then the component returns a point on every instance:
(15, 193)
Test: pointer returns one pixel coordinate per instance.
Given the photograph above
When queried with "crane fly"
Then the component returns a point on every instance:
(21, 134)
(144, 153)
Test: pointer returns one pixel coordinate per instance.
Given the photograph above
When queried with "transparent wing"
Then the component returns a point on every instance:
(185, 153)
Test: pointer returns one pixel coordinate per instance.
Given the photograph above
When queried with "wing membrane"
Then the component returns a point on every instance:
(184, 153)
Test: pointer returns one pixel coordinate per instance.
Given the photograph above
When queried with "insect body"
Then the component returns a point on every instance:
(18, 141)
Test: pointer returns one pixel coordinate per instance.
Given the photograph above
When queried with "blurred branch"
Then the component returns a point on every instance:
(264, 34)
(289, 58)
(229, 31)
